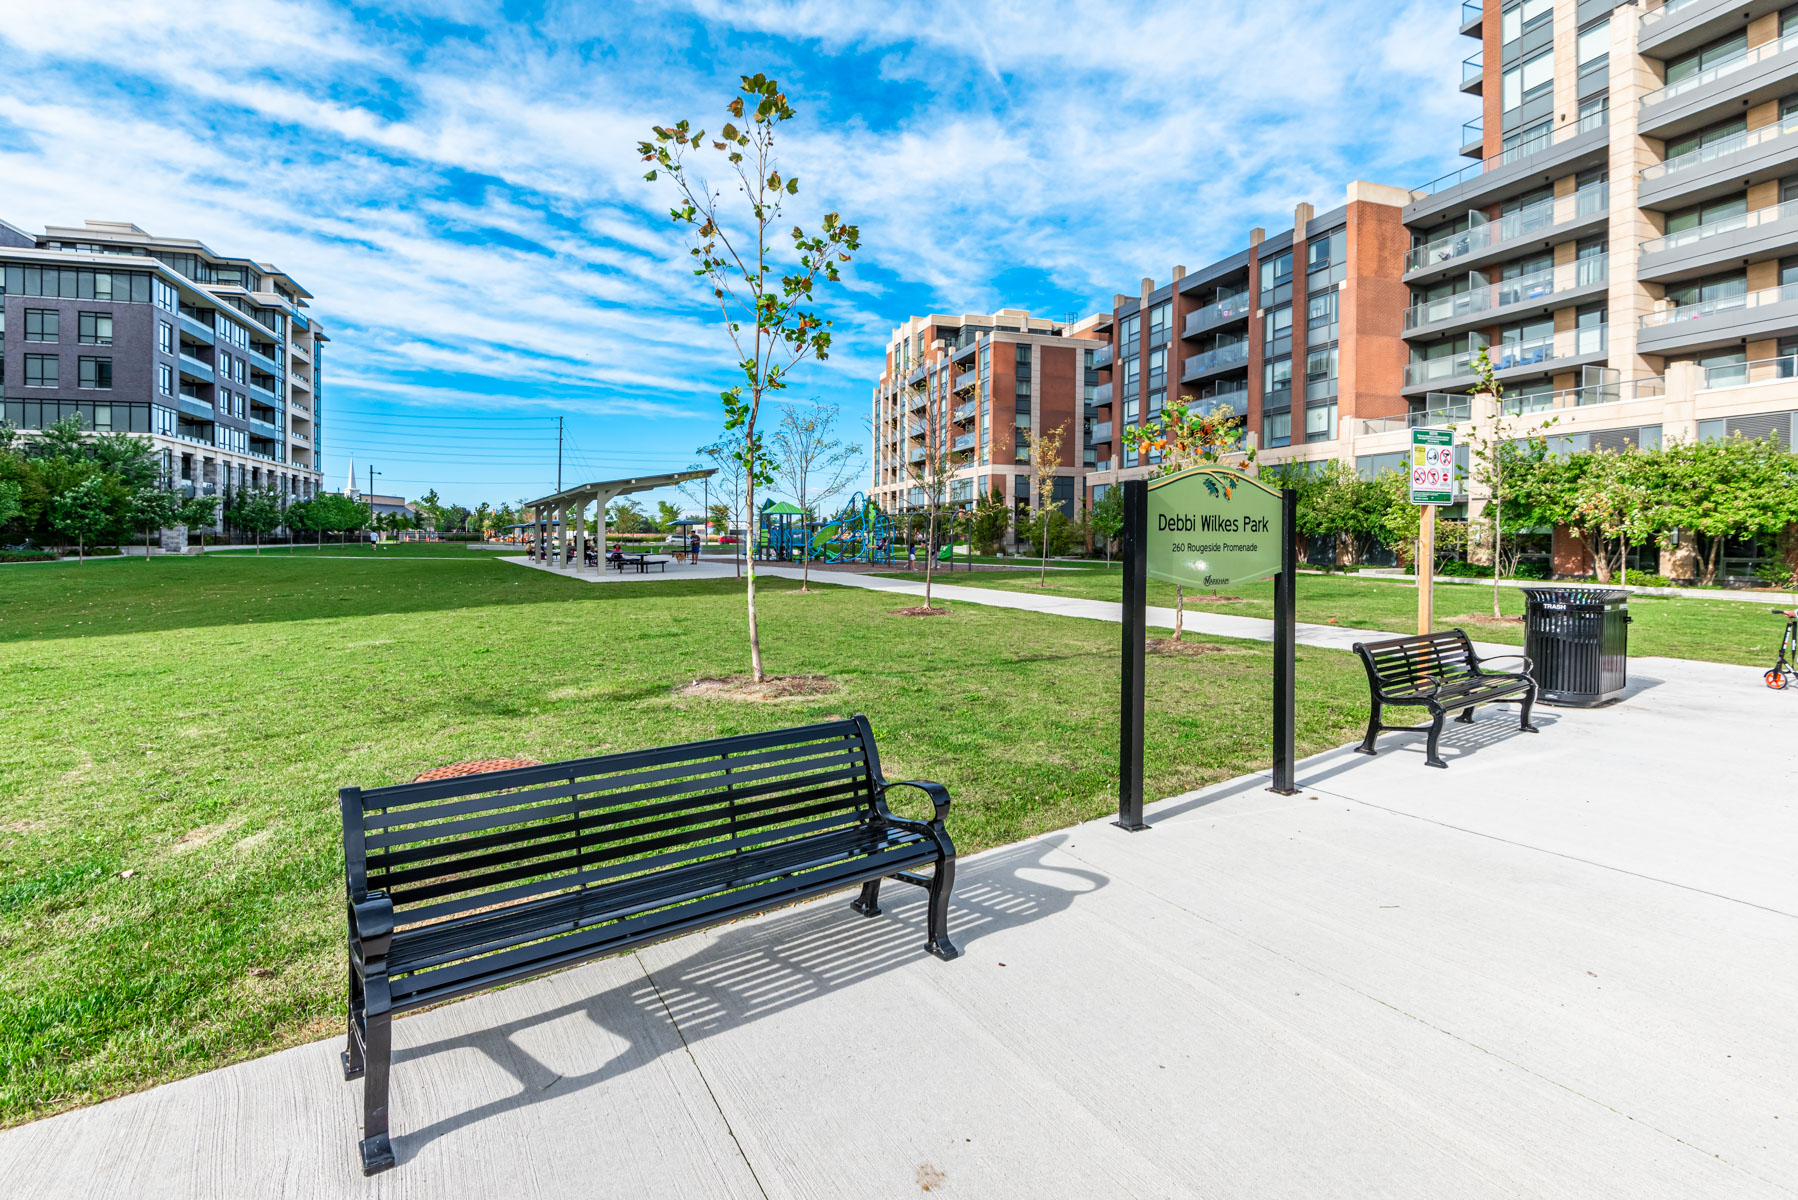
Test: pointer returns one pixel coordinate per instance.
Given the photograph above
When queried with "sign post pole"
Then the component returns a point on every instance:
(1426, 571)
(1130, 710)
(1286, 645)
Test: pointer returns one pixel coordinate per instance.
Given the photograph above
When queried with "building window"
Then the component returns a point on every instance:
(1278, 327)
(1594, 46)
(1528, 14)
(1130, 334)
(1157, 369)
(165, 337)
(165, 379)
(96, 329)
(1276, 429)
(96, 373)
(1320, 422)
(42, 325)
(1320, 374)
(1160, 322)
(42, 371)
(1534, 76)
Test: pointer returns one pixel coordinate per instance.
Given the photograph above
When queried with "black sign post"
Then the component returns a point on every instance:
(1135, 536)
(1285, 645)
(1136, 597)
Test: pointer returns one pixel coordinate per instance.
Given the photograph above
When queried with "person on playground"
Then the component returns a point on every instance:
(1785, 671)
(693, 545)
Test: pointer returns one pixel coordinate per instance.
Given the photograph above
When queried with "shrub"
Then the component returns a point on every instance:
(1644, 579)
(1772, 572)
(1464, 570)
(21, 554)
(1531, 570)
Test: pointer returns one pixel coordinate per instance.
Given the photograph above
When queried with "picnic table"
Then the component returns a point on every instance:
(641, 559)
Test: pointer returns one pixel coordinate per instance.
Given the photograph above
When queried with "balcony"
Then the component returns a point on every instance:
(196, 408)
(194, 329)
(1725, 167)
(965, 412)
(1559, 351)
(1223, 358)
(1101, 433)
(269, 366)
(1102, 357)
(263, 394)
(1725, 321)
(964, 442)
(1756, 236)
(1511, 299)
(966, 380)
(1473, 138)
(1473, 16)
(1761, 370)
(918, 402)
(916, 456)
(1102, 394)
(1515, 169)
(1554, 220)
(195, 369)
(1224, 311)
(916, 376)
(964, 351)
(1681, 25)
(1652, 387)
(1749, 78)
(1473, 73)
(265, 428)
(916, 429)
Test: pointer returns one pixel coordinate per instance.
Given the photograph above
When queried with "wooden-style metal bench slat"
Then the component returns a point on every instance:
(1438, 672)
(459, 885)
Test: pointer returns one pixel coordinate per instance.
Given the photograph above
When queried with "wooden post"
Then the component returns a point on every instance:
(1426, 570)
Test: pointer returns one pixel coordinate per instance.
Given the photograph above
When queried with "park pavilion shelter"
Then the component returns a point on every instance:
(570, 505)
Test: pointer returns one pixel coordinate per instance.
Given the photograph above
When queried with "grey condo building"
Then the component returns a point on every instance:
(212, 357)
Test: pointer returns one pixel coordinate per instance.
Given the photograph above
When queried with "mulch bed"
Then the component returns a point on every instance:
(919, 611)
(776, 687)
(1170, 646)
(478, 766)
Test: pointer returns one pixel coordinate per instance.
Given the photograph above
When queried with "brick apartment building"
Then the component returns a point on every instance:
(978, 389)
(1624, 245)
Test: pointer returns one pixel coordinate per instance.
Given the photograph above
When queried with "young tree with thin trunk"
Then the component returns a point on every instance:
(257, 511)
(1045, 458)
(770, 331)
(151, 508)
(932, 475)
(815, 467)
(81, 513)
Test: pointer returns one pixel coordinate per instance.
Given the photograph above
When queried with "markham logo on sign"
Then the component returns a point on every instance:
(1213, 526)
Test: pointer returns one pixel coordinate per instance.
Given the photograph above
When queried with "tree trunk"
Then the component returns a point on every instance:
(1498, 557)
(755, 636)
(1712, 560)
(929, 554)
(1042, 552)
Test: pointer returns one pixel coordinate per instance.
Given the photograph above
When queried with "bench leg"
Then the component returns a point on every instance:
(1529, 701)
(1430, 757)
(1466, 717)
(868, 903)
(1373, 729)
(939, 943)
(377, 1151)
(352, 1055)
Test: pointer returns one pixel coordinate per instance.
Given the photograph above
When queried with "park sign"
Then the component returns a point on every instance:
(1212, 526)
(1432, 466)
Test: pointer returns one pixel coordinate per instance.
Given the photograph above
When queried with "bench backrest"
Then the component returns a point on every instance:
(444, 848)
(1417, 663)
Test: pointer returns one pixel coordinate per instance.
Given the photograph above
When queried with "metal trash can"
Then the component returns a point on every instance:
(1577, 640)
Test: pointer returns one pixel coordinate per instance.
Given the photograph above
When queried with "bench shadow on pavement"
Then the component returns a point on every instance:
(748, 971)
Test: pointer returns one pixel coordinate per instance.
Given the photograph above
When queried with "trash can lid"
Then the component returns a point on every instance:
(1574, 595)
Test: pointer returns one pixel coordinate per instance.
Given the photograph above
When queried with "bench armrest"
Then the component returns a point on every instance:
(1528, 665)
(371, 926)
(1418, 697)
(939, 795)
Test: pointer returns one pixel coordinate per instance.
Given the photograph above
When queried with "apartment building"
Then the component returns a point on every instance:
(974, 392)
(1625, 245)
(1298, 333)
(212, 358)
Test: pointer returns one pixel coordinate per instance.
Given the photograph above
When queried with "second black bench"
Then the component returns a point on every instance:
(460, 885)
(1439, 672)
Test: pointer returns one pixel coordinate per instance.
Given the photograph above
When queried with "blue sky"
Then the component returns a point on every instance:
(456, 181)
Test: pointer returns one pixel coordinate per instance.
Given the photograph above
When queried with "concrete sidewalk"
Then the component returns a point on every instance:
(1562, 968)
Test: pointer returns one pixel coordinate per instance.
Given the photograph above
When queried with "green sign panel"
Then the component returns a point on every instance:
(1212, 526)
(1432, 466)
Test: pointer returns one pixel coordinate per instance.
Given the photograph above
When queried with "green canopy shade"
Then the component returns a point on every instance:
(783, 509)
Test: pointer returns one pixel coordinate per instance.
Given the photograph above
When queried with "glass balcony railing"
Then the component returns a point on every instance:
(964, 442)
(1701, 233)
(1721, 70)
(1521, 290)
(1471, 11)
(1473, 131)
(1761, 370)
(1530, 221)
(1652, 386)
(1508, 356)
(1473, 67)
(1225, 309)
(966, 379)
(1707, 308)
(965, 412)
(1655, 15)
(194, 367)
(1102, 357)
(1520, 151)
(1101, 433)
(1217, 360)
(1102, 394)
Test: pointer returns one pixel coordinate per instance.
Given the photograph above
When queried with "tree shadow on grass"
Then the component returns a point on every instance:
(754, 970)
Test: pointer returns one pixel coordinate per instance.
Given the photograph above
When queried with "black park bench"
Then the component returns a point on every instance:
(459, 885)
(1439, 672)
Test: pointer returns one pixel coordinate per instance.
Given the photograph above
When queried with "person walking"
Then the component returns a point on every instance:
(374, 539)
(692, 546)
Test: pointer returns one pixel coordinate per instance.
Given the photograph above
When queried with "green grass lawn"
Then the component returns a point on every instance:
(189, 720)
(1730, 631)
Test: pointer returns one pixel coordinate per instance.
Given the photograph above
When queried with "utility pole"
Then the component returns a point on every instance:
(559, 421)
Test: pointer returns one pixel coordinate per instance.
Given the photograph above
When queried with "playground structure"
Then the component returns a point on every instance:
(861, 533)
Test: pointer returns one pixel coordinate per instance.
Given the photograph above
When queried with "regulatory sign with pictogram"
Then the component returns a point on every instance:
(1432, 466)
